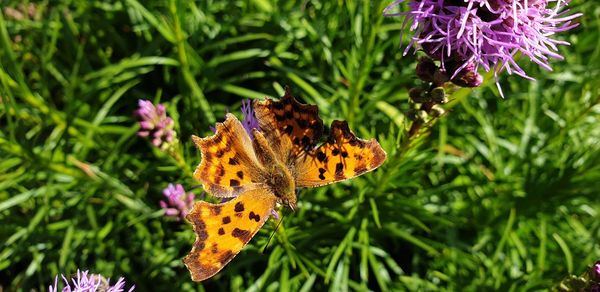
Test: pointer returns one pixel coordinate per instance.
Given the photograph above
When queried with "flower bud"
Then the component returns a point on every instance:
(426, 69)
(468, 78)
(440, 77)
(438, 95)
(416, 95)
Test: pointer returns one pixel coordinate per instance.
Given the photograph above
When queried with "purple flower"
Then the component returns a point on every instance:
(154, 123)
(250, 122)
(275, 214)
(487, 33)
(92, 283)
(467, 77)
(596, 271)
(178, 202)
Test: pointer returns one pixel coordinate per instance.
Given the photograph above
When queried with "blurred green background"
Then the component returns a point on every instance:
(500, 194)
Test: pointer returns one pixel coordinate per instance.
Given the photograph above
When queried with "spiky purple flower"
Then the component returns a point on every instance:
(92, 283)
(154, 123)
(250, 122)
(487, 33)
(178, 202)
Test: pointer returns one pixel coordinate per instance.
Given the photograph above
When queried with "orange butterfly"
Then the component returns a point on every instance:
(264, 170)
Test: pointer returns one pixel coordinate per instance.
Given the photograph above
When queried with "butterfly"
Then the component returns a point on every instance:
(263, 169)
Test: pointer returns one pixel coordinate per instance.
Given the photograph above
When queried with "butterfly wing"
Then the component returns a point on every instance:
(343, 156)
(229, 165)
(222, 230)
(289, 126)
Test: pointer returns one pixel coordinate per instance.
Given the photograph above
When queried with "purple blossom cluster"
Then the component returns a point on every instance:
(154, 123)
(487, 33)
(178, 203)
(249, 122)
(83, 282)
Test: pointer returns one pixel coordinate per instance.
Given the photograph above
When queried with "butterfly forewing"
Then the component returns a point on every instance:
(229, 165)
(343, 156)
(290, 127)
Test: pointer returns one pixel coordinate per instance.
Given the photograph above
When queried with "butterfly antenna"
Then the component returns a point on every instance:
(272, 234)
(195, 187)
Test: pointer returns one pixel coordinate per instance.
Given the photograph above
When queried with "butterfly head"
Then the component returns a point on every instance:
(289, 201)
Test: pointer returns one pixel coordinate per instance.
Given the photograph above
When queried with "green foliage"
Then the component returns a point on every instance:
(501, 194)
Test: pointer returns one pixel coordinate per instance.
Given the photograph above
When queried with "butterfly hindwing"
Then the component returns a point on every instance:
(229, 165)
(343, 156)
(290, 127)
(222, 230)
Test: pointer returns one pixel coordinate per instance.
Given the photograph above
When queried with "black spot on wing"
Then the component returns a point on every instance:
(226, 220)
(360, 170)
(303, 124)
(239, 207)
(278, 105)
(220, 153)
(226, 257)
(321, 156)
(339, 170)
(243, 235)
(322, 173)
(289, 129)
(253, 216)
(305, 140)
(220, 170)
(216, 210)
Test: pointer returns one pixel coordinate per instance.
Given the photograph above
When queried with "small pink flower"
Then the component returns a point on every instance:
(154, 123)
(178, 202)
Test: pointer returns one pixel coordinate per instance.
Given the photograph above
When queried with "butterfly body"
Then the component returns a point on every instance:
(277, 176)
(264, 168)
